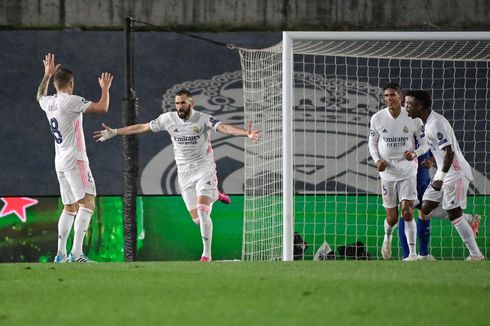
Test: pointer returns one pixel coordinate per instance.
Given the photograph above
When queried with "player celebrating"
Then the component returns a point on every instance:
(77, 187)
(392, 147)
(190, 134)
(450, 184)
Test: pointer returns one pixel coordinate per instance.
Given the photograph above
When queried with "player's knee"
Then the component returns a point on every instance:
(71, 208)
(88, 202)
(203, 208)
(454, 213)
(407, 214)
(426, 208)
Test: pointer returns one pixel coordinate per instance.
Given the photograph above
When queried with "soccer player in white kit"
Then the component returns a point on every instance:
(190, 132)
(77, 187)
(451, 181)
(392, 147)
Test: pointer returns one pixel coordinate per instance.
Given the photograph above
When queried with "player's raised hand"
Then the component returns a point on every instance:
(253, 134)
(107, 133)
(105, 80)
(49, 66)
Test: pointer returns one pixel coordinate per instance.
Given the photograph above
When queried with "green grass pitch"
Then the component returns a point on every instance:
(246, 293)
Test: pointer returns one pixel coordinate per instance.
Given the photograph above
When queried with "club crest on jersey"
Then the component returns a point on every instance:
(439, 136)
(85, 101)
(196, 129)
(405, 129)
(372, 133)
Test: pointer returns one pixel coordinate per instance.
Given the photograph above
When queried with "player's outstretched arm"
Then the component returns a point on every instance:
(108, 132)
(251, 133)
(102, 106)
(50, 69)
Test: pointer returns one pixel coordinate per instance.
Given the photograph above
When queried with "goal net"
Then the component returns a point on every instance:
(312, 97)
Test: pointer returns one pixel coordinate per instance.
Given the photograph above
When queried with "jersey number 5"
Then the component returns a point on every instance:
(53, 123)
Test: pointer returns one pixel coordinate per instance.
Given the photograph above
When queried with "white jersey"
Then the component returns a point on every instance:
(390, 137)
(439, 135)
(191, 138)
(65, 116)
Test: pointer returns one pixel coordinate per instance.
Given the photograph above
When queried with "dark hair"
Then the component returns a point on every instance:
(395, 87)
(422, 96)
(184, 92)
(63, 77)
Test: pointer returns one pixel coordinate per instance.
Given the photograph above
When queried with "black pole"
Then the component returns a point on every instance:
(130, 149)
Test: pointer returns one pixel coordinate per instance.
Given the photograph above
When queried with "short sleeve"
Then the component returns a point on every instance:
(78, 104)
(160, 123)
(440, 132)
(43, 102)
(373, 127)
(213, 122)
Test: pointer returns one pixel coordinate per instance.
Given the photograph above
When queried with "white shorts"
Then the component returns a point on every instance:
(75, 183)
(198, 180)
(452, 194)
(393, 192)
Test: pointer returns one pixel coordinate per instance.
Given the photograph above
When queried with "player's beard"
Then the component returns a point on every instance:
(184, 113)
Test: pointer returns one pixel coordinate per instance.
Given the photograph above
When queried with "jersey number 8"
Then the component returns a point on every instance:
(53, 123)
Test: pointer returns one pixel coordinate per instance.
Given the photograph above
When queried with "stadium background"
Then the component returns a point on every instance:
(82, 35)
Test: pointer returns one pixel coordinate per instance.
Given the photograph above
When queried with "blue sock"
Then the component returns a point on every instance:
(403, 238)
(423, 233)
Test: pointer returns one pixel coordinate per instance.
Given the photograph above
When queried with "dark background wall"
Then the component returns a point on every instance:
(252, 14)
(163, 59)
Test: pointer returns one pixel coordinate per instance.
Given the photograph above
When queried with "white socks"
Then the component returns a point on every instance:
(466, 234)
(197, 220)
(64, 227)
(206, 226)
(411, 235)
(82, 221)
(388, 230)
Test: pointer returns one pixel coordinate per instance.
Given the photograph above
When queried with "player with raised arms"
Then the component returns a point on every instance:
(190, 132)
(77, 186)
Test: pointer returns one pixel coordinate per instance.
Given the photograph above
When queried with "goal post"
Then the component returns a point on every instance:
(315, 92)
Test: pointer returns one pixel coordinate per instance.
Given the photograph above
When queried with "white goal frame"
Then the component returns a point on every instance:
(287, 91)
